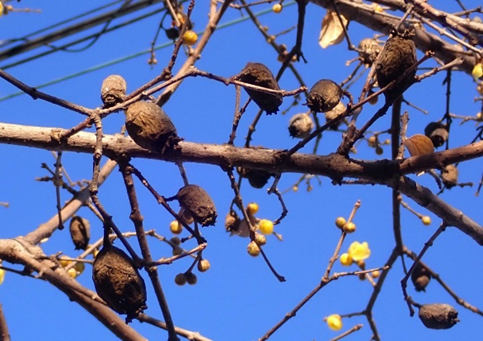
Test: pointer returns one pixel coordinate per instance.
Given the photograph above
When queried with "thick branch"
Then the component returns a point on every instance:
(20, 252)
(334, 166)
(381, 22)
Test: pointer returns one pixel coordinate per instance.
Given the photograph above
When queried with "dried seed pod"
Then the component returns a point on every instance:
(118, 282)
(198, 203)
(324, 96)
(256, 177)
(437, 132)
(300, 125)
(420, 277)
(260, 75)
(438, 315)
(369, 49)
(150, 127)
(232, 222)
(397, 56)
(113, 90)
(449, 174)
(339, 109)
(80, 232)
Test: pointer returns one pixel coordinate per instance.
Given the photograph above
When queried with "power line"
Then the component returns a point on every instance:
(137, 54)
(67, 31)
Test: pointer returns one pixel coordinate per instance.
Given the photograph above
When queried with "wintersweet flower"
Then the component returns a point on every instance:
(334, 322)
(359, 251)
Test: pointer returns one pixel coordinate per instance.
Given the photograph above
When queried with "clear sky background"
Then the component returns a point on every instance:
(238, 299)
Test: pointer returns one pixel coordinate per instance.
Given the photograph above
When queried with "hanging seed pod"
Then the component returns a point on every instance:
(438, 316)
(300, 125)
(118, 282)
(437, 132)
(232, 222)
(369, 49)
(449, 174)
(420, 277)
(150, 127)
(198, 203)
(339, 109)
(256, 177)
(113, 90)
(80, 232)
(398, 55)
(172, 33)
(324, 96)
(258, 74)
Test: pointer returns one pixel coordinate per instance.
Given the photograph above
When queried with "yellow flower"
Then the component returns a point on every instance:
(359, 251)
(477, 71)
(334, 322)
(2, 275)
(346, 259)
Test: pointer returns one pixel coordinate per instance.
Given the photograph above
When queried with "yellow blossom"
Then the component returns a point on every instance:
(359, 251)
(334, 322)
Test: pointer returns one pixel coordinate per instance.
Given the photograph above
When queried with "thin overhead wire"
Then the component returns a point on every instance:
(7, 42)
(76, 28)
(137, 54)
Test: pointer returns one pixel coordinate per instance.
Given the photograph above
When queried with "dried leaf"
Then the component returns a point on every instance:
(332, 32)
(418, 145)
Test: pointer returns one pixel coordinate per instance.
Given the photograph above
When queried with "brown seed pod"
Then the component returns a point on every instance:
(80, 232)
(437, 132)
(232, 222)
(113, 90)
(438, 315)
(300, 125)
(398, 55)
(150, 127)
(256, 177)
(324, 96)
(198, 203)
(118, 282)
(260, 75)
(369, 49)
(420, 277)
(449, 174)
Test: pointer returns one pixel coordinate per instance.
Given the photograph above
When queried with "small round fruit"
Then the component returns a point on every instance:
(376, 274)
(346, 259)
(180, 279)
(191, 278)
(252, 208)
(175, 227)
(176, 241)
(64, 261)
(334, 322)
(372, 141)
(203, 265)
(265, 226)
(349, 227)
(340, 222)
(72, 273)
(177, 251)
(253, 249)
(260, 239)
(277, 8)
(190, 38)
(379, 150)
(426, 220)
(79, 267)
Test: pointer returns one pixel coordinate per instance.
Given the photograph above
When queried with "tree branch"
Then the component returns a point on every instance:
(334, 166)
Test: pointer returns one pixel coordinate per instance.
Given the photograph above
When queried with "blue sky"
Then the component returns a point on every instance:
(238, 299)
